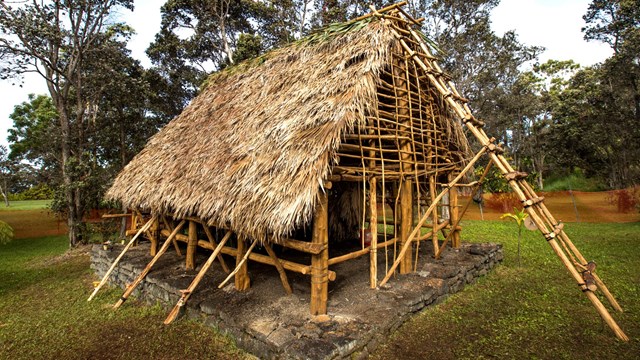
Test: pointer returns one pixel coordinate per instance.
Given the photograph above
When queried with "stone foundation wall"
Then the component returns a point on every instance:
(269, 324)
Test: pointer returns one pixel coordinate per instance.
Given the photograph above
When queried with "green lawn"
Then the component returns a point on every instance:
(25, 205)
(532, 311)
(45, 313)
(536, 310)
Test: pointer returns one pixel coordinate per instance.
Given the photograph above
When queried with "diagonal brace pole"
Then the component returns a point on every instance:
(117, 260)
(146, 270)
(187, 293)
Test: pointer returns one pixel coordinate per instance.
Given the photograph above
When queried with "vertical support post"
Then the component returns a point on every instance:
(154, 235)
(373, 229)
(192, 245)
(242, 280)
(434, 219)
(405, 151)
(406, 224)
(454, 215)
(320, 262)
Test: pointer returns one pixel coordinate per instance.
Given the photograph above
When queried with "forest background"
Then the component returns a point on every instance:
(558, 119)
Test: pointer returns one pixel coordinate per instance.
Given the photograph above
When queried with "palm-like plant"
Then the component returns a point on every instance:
(518, 216)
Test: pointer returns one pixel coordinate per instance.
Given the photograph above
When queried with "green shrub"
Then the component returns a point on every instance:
(38, 192)
(574, 181)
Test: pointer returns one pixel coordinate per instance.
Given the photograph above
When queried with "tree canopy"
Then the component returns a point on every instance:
(103, 105)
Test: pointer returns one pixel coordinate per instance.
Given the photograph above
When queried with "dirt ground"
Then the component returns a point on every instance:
(33, 223)
(589, 207)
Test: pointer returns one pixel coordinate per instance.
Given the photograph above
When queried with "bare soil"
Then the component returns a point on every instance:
(33, 223)
(589, 207)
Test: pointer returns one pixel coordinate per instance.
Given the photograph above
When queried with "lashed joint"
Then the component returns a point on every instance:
(471, 119)
(515, 175)
(530, 202)
(556, 231)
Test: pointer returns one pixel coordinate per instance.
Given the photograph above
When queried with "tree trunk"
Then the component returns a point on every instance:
(4, 189)
(123, 162)
(72, 214)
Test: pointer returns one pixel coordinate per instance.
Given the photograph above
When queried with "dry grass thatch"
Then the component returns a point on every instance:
(252, 150)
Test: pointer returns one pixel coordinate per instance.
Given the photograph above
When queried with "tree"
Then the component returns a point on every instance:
(55, 39)
(6, 166)
(35, 137)
(614, 92)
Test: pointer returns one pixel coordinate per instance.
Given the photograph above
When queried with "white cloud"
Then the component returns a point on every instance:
(555, 25)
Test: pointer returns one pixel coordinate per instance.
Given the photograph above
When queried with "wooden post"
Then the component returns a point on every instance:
(373, 229)
(192, 245)
(320, 262)
(406, 224)
(154, 234)
(242, 280)
(434, 218)
(454, 215)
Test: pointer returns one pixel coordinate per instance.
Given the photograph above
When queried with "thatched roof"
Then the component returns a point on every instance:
(252, 150)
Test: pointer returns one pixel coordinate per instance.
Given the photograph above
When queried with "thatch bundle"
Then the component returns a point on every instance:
(252, 150)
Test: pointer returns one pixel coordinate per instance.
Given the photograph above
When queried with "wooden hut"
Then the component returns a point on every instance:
(354, 128)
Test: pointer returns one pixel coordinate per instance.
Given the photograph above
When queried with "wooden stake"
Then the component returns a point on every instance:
(117, 260)
(244, 284)
(146, 270)
(320, 262)
(192, 245)
(187, 293)
(280, 268)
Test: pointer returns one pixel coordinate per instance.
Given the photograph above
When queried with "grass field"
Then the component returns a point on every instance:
(25, 205)
(531, 311)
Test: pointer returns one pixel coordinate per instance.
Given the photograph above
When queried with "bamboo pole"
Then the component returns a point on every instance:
(434, 219)
(262, 259)
(154, 233)
(212, 241)
(187, 293)
(192, 245)
(464, 112)
(239, 266)
(146, 270)
(466, 206)
(117, 260)
(454, 217)
(169, 227)
(565, 238)
(280, 268)
(425, 216)
(320, 262)
(373, 228)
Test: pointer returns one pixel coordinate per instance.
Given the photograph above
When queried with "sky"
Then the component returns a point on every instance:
(554, 24)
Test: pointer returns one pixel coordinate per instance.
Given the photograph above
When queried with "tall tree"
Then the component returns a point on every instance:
(54, 39)
(617, 23)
